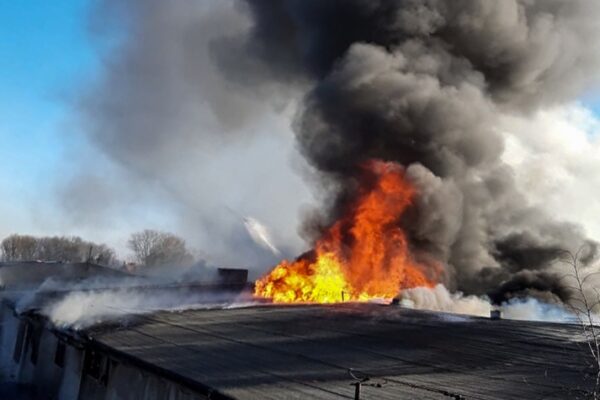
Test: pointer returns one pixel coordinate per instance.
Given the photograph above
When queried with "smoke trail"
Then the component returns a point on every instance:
(260, 234)
(99, 299)
(440, 299)
(423, 83)
(79, 310)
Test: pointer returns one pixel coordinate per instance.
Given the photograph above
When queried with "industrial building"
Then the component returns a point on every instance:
(263, 351)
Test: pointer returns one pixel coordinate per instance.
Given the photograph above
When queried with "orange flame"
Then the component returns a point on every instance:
(364, 255)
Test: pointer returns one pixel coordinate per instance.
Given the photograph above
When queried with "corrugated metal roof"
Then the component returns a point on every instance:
(301, 352)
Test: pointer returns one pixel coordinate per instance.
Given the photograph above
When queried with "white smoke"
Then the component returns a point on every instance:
(78, 310)
(100, 299)
(439, 298)
(532, 309)
(555, 155)
(260, 234)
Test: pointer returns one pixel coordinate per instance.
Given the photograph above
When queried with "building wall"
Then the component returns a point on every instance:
(9, 327)
(127, 382)
(27, 356)
(72, 371)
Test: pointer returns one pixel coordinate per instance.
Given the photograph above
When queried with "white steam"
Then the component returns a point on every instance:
(260, 234)
(80, 310)
(440, 299)
(532, 309)
(100, 299)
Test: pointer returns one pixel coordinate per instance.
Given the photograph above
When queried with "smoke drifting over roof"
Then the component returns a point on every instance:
(422, 83)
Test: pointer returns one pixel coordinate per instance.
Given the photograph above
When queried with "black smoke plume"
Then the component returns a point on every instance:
(422, 83)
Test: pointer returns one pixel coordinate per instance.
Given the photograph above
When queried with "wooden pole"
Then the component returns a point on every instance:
(357, 386)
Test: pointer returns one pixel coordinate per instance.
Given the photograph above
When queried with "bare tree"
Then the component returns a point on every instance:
(55, 248)
(585, 299)
(66, 249)
(142, 243)
(18, 248)
(101, 254)
(155, 248)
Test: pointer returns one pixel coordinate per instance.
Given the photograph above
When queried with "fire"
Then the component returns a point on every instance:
(364, 255)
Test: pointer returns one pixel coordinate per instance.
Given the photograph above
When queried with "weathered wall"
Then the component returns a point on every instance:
(81, 373)
(9, 326)
(127, 382)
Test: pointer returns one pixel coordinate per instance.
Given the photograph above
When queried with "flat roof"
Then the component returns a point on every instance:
(306, 352)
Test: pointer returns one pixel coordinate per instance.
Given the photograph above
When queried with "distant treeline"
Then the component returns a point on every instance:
(55, 248)
(149, 247)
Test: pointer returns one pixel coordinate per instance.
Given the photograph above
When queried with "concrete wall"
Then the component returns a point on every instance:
(81, 373)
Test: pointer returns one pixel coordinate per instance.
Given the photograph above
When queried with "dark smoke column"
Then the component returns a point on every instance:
(422, 83)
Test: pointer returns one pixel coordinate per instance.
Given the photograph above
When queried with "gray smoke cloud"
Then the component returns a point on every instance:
(189, 102)
(185, 142)
(423, 83)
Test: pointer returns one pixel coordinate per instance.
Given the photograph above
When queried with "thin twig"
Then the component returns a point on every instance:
(585, 311)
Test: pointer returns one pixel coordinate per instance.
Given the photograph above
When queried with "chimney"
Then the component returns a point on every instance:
(495, 314)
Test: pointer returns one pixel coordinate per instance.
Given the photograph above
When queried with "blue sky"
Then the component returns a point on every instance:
(45, 55)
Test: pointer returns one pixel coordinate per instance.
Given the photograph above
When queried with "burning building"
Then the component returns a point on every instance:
(92, 335)
(398, 108)
(400, 122)
(277, 352)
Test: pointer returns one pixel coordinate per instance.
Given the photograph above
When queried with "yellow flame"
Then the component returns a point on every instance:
(324, 284)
